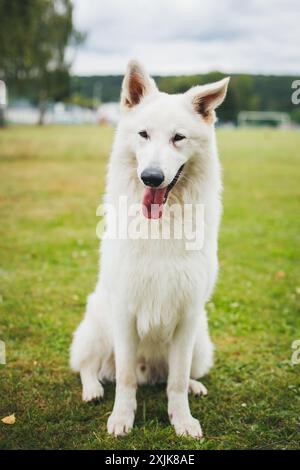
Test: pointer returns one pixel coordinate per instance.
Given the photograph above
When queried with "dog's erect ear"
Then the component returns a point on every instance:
(205, 98)
(136, 84)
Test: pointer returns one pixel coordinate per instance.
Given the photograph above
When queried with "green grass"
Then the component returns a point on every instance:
(51, 181)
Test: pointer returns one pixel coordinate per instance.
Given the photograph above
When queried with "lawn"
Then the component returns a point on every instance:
(51, 181)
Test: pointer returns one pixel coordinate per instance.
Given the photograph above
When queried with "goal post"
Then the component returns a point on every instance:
(252, 118)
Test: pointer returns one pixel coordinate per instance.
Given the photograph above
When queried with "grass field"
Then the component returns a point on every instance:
(51, 181)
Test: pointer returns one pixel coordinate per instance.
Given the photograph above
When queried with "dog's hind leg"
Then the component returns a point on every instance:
(202, 357)
(197, 388)
(88, 350)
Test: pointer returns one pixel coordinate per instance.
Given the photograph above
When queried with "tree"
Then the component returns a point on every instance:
(34, 36)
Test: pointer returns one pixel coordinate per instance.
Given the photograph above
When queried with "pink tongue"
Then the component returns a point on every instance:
(153, 200)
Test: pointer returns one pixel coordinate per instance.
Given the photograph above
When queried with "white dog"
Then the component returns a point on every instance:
(146, 320)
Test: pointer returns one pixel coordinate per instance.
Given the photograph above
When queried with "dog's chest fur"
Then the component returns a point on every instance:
(162, 284)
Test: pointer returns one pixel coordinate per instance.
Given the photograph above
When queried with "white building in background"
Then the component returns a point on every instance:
(70, 114)
(109, 113)
(22, 112)
(3, 94)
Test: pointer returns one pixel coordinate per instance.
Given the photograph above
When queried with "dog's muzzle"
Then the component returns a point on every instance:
(155, 197)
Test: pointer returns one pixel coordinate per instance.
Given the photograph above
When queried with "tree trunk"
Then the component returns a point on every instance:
(42, 112)
(42, 108)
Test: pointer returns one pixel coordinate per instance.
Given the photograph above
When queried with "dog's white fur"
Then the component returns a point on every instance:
(146, 320)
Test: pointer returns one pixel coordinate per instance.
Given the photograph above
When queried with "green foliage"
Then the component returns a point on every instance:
(296, 115)
(110, 86)
(81, 100)
(34, 35)
(245, 92)
(51, 180)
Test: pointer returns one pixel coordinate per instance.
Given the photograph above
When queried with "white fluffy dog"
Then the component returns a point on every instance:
(146, 320)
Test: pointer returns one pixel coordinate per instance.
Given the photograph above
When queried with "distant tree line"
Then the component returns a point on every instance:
(246, 92)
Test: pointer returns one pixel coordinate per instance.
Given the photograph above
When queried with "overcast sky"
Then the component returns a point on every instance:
(189, 36)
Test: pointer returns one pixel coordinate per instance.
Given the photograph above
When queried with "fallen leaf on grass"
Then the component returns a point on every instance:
(280, 274)
(11, 419)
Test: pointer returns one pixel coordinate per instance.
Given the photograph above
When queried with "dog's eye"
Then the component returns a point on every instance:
(178, 137)
(144, 134)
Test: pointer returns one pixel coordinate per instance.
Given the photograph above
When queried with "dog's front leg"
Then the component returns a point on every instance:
(121, 420)
(180, 359)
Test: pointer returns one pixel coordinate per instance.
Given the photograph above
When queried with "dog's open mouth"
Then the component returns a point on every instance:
(155, 198)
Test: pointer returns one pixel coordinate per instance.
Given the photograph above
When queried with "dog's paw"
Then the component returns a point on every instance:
(120, 424)
(92, 391)
(188, 427)
(197, 388)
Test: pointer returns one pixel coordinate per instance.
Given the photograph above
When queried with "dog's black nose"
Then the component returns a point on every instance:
(152, 177)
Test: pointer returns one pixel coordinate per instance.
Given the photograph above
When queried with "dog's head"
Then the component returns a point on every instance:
(165, 131)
